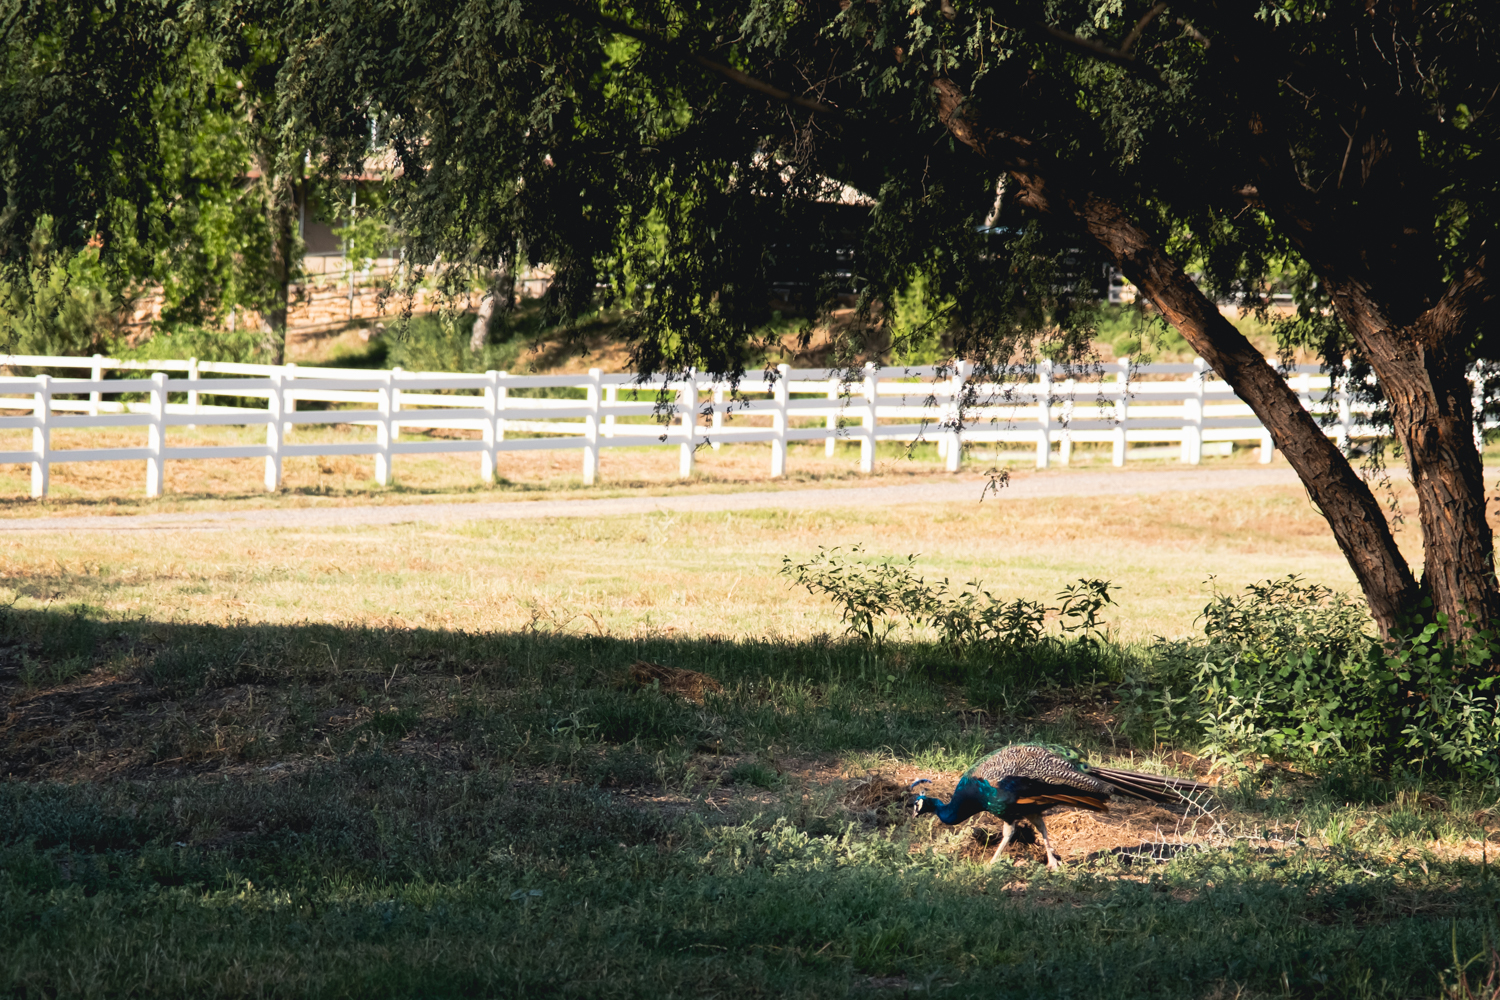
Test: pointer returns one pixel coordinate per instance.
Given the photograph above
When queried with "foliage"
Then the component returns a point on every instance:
(1276, 617)
(57, 305)
(184, 341)
(878, 597)
(79, 120)
(440, 342)
(915, 326)
(1288, 669)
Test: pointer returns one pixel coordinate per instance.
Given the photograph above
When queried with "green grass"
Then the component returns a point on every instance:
(315, 809)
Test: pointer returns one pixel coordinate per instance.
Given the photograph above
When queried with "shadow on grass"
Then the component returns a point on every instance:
(322, 810)
(92, 694)
(383, 875)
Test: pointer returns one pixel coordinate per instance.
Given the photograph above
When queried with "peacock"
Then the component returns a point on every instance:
(1024, 780)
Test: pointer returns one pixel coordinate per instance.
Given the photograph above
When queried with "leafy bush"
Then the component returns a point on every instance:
(61, 307)
(879, 597)
(1288, 669)
(440, 343)
(1279, 616)
(245, 346)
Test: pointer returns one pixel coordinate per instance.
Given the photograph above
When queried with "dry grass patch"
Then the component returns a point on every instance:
(690, 684)
(681, 574)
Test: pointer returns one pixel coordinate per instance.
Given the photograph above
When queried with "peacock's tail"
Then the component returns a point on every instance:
(1155, 787)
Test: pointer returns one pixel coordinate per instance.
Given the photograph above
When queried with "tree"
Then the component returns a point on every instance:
(78, 130)
(143, 157)
(1345, 140)
(674, 151)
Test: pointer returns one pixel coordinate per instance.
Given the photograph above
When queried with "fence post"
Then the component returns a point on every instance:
(1478, 404)
(1044, 414)
(156, 433)
(1345, 413)
(1192, 417)
(687, 398)
(1065, 443)
(954, 437)
(41, 437)
(611, 397)
(831, 441)
(718, 418)
(383, 430)
(867, 440)
(1122, 412)
(290, 401)
(502, 399)
(192, 374)
(275, 430)
(96, 374)
(488, 457)
(780, 393)
(591, 430)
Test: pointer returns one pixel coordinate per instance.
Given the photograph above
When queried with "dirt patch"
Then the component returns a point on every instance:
(689, 684)
(875, 791)
(878, 799)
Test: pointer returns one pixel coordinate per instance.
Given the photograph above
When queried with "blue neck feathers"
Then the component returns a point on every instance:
(958, 810)
(971, 797)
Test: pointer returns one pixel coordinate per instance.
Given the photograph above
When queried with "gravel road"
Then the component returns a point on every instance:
(1023, 486)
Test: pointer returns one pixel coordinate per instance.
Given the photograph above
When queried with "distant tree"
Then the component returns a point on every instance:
(142, 156)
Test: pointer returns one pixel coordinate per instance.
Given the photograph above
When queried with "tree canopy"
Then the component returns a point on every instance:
(674, 153)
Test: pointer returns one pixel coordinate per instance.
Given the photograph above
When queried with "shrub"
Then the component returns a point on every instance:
(440, 343)
(245, 346)
(879, 597)
(1289, 669)
(58, 306)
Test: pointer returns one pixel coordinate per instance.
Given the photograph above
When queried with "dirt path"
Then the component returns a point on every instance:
(958, 489)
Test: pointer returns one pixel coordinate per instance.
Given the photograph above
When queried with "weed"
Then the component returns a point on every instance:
(753, 772)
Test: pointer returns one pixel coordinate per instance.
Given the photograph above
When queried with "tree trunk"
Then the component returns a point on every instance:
(1344, 499)
(481, 335)
(1423, 374)
(1418, 350)
(279, 219)
(281, 203)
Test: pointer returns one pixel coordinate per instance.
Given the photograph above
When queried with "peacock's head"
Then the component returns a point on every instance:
(922, 804)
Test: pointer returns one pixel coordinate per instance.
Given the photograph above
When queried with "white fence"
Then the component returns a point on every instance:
(1181, 404)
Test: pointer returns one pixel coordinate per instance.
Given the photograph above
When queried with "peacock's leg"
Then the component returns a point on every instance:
(1041, 828)
(1004, 841)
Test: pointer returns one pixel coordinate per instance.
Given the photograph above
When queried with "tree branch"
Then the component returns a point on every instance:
(1097, 50)
(742, 80)
(1345, 500)
(1440, 325)
(1140, 26)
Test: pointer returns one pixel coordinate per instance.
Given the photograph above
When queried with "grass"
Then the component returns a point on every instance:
(417, 762)
(329, 810)
(679, 573)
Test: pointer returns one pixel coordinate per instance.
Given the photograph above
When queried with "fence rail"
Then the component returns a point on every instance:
(1124, 405)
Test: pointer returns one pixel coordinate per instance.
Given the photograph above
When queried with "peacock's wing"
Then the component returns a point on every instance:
(1031, 795)
(988, 796)
(1039, 762)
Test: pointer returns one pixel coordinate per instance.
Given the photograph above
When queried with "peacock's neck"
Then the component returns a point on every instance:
(958, 810)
